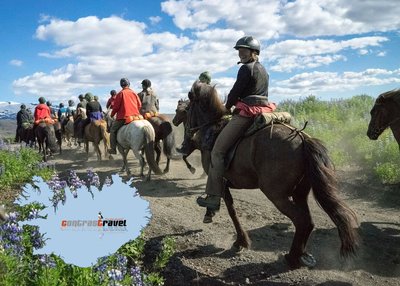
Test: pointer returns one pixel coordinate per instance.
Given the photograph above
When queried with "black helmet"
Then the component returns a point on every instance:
(113, 92)
(48, 103)
(81, 96)
(146, 83)
(248, 42)
(61, 105)
(71, 102)
(42, 100)
(23, 106)
(124, 82)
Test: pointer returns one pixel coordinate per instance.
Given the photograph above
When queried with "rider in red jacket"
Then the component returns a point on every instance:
(42, 111)
(126, 105)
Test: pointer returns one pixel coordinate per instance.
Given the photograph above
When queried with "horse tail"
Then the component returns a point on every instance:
(169, 141)
(320, 172)
(149, 149)
(105, 134)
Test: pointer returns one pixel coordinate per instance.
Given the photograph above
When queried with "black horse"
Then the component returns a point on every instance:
(46, 138)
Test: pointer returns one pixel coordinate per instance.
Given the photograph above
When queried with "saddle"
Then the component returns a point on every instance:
(260, 121)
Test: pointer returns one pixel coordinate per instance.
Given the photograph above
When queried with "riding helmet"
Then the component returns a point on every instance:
(71, 102)
(146, 83)
(113, 92)
(248, 42)
(124, 82)
(42, 100)
(205, 77)
(23, 106)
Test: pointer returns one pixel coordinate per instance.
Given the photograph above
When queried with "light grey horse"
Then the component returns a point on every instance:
(135, 136)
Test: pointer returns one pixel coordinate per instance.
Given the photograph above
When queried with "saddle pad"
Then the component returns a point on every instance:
(264, 119)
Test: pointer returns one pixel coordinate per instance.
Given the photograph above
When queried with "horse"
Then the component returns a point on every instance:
(69, 131)
(136, 136)
(94, 132)
(285, 164)
(26, 134)
(46, 138)
(385, 113)
(163, 132)
(181, 116)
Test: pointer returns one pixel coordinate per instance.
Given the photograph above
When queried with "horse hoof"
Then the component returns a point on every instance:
(207, 219)
(236, 247)
(308, 260)
(305, 260)
(192, 170)
(110, 157)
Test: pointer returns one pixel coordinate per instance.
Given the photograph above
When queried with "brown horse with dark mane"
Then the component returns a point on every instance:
(164, 132)
(385, 113)
(181, 117)
(285, 164)
(95, 132)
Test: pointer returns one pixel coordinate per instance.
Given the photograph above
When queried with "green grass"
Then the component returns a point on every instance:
(342, 126)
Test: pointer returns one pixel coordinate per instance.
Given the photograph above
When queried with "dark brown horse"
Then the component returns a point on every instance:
(46, 138)
(385, 113)
(181, 116)
(165, 134)
(285, 164)
(27, 135)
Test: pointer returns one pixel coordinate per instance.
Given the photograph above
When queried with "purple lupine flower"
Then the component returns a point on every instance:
(33, 214)
(47, 261)
(136, 276)
(92, 178)
(115, 275)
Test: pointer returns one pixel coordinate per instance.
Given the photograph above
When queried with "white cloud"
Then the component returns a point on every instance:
(318, 82)
(289, 55)
(16, 62)
(295, 35)
(155, 20)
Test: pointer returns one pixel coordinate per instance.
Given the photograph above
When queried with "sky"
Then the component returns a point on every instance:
(332, 49)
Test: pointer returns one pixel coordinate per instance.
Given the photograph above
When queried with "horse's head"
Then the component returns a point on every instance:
(181, 112)
(383, 113)
(206, 104)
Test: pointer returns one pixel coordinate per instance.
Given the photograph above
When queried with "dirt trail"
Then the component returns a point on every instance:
(203, 254)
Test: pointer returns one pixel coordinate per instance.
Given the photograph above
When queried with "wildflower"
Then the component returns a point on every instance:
(93, 178)
(136, 276)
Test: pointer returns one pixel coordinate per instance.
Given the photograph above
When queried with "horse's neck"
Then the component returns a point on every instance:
(395, 127)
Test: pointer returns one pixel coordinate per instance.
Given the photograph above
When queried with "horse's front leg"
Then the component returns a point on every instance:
(242, 239)
(188, 165)
(97, 149)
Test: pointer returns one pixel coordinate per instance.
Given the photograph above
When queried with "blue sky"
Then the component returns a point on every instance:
(330, 49)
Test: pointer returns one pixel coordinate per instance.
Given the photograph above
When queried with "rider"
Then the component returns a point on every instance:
(42, 111)
(149, 99)
(110, 101)
(249, 95)
(23, 116)
(62, 111)
(93, 112)
(71, 109)
(204, 77)
(126, 105)
(52, 110)
(82, 101)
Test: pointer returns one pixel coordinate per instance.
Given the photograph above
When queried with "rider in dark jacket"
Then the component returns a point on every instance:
(249, 94)
(23, 116)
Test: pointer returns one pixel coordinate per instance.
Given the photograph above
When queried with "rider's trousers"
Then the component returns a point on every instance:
(236, 127)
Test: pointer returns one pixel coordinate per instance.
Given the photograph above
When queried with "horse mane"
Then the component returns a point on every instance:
(390, 95)
(208, 96)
